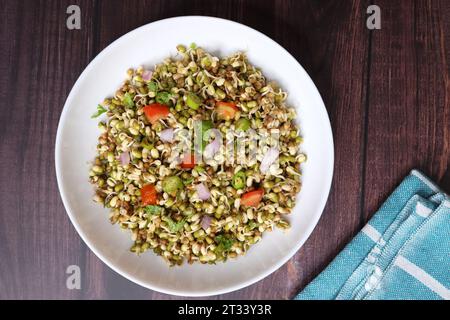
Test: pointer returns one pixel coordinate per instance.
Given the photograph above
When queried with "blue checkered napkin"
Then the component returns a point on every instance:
(402, 253)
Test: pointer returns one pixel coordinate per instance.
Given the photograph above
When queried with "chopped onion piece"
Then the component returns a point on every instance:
(202, 191)
(206, 222)
(166, 135)
(269, 158)
(212, 148)
(147, 75)
(124, 158)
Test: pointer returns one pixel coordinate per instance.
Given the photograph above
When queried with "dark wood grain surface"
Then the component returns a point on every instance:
(387, 93)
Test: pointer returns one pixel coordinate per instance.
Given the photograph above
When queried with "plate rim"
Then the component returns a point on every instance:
(130, 276)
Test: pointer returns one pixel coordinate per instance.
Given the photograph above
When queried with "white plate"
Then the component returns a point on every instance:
(77, 136)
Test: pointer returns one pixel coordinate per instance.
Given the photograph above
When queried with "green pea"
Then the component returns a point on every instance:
(172, 185)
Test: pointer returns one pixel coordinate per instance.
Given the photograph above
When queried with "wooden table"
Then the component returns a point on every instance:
(387, 93)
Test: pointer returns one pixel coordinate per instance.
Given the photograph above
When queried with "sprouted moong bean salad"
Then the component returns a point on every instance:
(198, 157)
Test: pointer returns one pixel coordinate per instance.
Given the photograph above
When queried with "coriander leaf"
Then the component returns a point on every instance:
(174, 226)
(100, 110)
(224, 243)
(199, 169)
(163, 97)
(151, 209)
(152, 86)
(128, 100)
(188, 181)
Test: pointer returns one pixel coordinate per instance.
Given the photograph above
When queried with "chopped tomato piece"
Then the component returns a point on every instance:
(188, 161)
(156, 111)
(148, 194)
(226, 110)
(252, 198)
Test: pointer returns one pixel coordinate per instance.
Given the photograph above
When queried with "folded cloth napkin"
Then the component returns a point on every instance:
(402, 253)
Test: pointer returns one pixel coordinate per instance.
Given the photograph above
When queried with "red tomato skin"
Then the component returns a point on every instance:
(227, 104)
(156, 111)
(148, 195)
(188, 161)
(226, 110)
(252, 198)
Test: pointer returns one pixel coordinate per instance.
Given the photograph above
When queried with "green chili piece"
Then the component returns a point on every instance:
(239, 180)
(193, 101)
